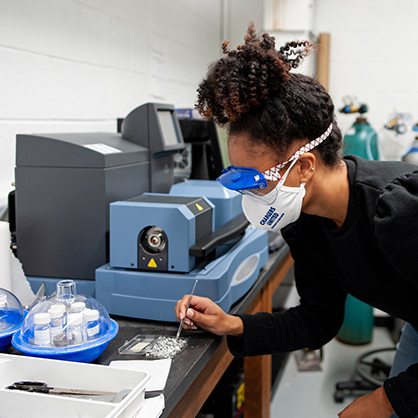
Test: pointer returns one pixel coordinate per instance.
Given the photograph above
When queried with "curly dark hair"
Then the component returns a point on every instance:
(253, 92)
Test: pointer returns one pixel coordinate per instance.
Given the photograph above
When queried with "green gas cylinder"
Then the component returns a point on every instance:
(358, 322)
(357, 327)
(361, 140)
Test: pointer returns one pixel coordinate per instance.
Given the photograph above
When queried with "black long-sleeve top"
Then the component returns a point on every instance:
(372, 256)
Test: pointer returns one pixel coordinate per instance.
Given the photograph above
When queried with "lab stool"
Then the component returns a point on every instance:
(371, 375)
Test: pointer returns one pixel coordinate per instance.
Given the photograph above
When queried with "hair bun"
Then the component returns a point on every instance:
(247, 76)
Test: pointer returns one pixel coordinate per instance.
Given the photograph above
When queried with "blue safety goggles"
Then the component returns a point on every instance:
(241, 178)
(250, 181)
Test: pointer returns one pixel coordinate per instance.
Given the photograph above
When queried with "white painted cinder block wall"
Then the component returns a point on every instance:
(78, 65)
(373, 56)
(372, 53)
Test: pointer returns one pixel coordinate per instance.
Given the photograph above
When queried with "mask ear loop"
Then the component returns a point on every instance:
(270, 197)
(273, 173)
(283, 179)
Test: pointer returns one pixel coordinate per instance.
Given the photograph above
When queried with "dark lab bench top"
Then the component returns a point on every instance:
(201, 344)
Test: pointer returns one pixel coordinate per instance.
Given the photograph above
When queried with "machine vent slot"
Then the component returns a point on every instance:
(203, 214)
(160, 198)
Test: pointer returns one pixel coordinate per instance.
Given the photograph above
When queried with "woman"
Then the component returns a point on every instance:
(350, 223)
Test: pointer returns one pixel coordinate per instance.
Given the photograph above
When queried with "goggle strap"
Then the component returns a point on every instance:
(274, 175)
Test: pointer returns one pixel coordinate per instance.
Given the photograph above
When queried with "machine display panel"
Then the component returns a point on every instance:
(168, 128)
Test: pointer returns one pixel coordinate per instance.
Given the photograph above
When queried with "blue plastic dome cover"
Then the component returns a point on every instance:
(65, 321)
(11, 312)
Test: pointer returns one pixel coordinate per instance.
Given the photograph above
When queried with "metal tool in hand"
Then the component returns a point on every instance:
(41, 387)
(185, 312)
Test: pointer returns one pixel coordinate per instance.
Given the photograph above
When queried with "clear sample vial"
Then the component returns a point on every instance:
(91, 318)
(58, 306)
(3, 301)
(77, 307)
(75, 334)
(57, 320)
(42, 336)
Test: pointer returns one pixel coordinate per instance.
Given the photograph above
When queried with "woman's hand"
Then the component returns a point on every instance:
(372, 405)
(208, 316)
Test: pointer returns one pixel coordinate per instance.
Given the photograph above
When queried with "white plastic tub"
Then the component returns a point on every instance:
(63, 374)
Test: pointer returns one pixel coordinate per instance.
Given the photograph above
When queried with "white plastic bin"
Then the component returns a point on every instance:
(63, 374)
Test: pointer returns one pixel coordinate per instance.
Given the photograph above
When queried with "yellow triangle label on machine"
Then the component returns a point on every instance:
(198, 206)
(152, 263)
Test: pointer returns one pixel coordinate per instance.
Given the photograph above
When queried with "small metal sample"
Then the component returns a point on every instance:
(165, 347)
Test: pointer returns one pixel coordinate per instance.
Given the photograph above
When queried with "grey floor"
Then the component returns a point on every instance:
(310, 393)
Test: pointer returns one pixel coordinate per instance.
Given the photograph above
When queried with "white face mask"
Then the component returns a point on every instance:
(285, 208)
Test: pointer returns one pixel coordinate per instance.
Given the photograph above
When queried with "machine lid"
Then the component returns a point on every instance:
(81, 150)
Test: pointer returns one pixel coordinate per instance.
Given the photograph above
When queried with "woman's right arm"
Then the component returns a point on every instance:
(207, 315)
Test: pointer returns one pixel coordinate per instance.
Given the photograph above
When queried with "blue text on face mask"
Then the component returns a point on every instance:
(267, 218)
(271, 217)
(278, 220)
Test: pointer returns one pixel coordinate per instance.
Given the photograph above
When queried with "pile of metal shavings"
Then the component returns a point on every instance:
(165, 347)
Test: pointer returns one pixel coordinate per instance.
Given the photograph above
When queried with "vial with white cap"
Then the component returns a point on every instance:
(75, 328)
(42, 335)
(91, 316)
(56, 312)
(58, 306)
(77, 307)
